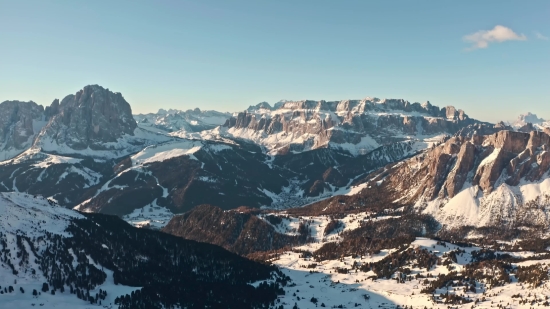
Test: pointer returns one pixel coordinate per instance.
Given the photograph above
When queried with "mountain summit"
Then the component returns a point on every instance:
(91, 118)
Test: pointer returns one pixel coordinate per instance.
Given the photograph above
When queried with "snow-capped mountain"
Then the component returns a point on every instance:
(266, 105)
(500, 180)
(378, 178)
(523, 119)
(528, 122)
(353, 126)
(192, 120)
(94, 122)
(91, 153)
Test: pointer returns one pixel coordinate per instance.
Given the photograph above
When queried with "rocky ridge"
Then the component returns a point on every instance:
(92, 154)
(498, 180)
(355, 126)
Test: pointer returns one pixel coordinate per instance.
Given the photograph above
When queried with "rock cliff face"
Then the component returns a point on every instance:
(479, 181)
(505, 157)
(91, 118)
(19, 123)
(355, 126)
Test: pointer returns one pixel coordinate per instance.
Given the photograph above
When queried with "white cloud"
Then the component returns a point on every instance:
(540, 36)
(482, 38)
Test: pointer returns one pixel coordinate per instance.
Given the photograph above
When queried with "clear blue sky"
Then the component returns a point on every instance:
(227, 55)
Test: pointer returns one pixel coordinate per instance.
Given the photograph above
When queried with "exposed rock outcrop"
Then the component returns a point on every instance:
(484, 161)
(19, 123)
(91, 118)
(355, 126)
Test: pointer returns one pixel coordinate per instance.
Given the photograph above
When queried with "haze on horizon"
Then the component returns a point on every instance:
(490, 58)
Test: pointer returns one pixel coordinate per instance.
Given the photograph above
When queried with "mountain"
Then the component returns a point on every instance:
(56, 257)
(92, 154)
(467, 185)
(94, 122)
(366, 203)
(184, 173)
(528, 122)
(91, 118)
(19, 124)
(353, 126)
(500, 181)
(528, 118)
(192, 120)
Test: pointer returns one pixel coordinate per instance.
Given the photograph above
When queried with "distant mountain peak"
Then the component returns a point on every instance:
(528, 122)
(261, 105)
(529, 118)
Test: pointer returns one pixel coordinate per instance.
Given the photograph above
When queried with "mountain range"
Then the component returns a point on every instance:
(301, 184)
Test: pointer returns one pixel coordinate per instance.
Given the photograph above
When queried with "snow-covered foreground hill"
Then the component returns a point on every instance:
(24, 223)
(53, 257)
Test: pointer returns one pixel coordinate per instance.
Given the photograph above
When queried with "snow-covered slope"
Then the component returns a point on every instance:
(53, 257)
(525, 204)
(24, 225)
(377, 260)
(181, 174)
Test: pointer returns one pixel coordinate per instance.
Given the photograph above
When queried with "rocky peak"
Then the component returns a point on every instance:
(19, 122)
(90, 118)
(52, 110)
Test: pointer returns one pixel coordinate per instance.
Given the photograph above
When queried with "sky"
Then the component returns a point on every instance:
(489, 58)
